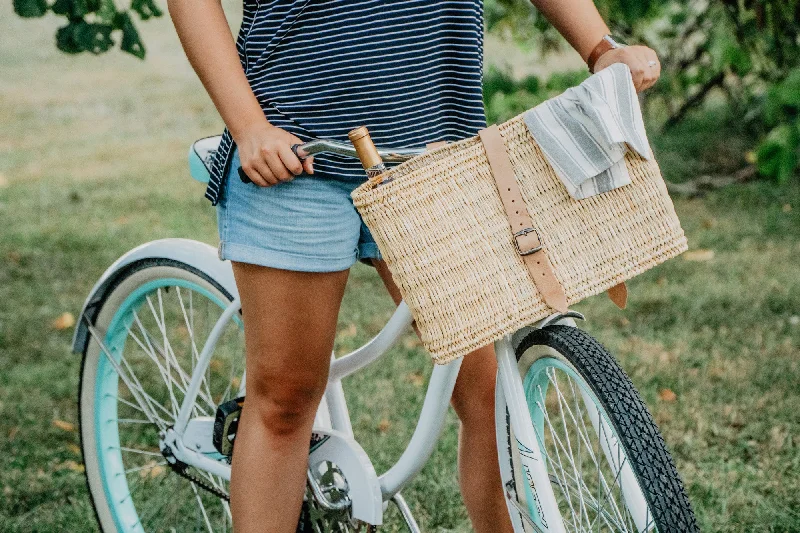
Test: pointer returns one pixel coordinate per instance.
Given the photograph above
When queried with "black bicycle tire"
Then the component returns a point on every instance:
(638, 433)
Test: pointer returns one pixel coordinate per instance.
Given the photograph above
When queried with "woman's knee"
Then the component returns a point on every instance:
(285, 403)
(475, 405)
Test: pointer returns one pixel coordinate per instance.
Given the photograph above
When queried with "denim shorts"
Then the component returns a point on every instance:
(308, 224)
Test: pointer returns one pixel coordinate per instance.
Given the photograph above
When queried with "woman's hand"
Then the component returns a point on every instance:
(265, 152)
(643, 62)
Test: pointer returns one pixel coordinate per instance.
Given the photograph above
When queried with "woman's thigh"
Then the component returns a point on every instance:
(289, 325)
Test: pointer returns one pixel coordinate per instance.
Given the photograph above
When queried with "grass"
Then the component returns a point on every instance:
(92, 163)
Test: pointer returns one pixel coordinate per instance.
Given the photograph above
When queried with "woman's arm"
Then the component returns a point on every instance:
(264, 150)
(583, 28)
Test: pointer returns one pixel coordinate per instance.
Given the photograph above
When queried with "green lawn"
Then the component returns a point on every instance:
(92, 163)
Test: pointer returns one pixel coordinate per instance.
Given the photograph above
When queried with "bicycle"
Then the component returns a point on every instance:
(163, 354)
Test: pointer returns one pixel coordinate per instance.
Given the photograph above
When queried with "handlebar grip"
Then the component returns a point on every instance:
(245, 179)
(294, 151)
(243, 176)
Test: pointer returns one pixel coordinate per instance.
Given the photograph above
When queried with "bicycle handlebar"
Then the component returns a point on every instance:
(389, 155)
(319, 146)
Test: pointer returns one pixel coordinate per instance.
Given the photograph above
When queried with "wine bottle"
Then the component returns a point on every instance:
(367, 152)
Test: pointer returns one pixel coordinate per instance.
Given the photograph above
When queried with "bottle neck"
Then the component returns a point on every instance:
(365, 148)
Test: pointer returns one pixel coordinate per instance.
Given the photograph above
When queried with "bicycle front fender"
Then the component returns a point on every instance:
(198, 255)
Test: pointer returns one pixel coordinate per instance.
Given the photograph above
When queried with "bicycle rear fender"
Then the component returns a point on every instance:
(195, 254)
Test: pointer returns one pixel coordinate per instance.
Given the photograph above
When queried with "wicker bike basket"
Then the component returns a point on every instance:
(442, 228)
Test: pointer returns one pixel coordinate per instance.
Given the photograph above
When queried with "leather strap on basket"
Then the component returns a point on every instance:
(526, 237)
(619, 294)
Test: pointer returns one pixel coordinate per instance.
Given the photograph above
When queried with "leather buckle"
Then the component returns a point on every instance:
(522, 233)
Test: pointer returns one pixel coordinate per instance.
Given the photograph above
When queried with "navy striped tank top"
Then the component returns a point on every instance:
(409, 70)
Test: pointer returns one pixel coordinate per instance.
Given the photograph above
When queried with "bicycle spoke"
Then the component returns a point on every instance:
(143, 405)
(572, 447)
(603, 481)
(142, 468)
(563, 480)
(129, 421)
(140, 390)
(150, 351)
(132, 406)
(170, 358)
(570, 456)
(202, 508)
(568, 410)
(134, 450)
(160, 505)
(169, 354)
(190, 329)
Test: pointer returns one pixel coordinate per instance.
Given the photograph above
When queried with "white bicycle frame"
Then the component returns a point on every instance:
(431, 418)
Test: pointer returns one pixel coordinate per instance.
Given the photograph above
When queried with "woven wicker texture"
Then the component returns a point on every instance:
(442, 229)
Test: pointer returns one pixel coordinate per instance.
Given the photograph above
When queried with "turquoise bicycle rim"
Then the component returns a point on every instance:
(111, 465)
(536, 378)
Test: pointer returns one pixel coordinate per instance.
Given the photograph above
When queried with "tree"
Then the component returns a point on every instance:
(93, 25)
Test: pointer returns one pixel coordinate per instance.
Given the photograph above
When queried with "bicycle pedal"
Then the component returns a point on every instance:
(226, 422)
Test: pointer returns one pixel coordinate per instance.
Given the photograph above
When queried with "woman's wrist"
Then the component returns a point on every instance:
(605, 45)
(590, 44)
(248, 125)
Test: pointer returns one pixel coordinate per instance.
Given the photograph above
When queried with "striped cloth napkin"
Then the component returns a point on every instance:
(585, 131)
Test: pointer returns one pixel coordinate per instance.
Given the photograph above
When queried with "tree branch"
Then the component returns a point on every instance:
(694, 100)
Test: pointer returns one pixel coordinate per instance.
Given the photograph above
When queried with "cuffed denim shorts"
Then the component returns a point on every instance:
(308, 224)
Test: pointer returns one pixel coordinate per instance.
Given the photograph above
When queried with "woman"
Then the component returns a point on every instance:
(410, 70)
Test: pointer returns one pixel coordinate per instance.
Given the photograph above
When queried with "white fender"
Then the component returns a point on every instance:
(198, 255)
(353, 461)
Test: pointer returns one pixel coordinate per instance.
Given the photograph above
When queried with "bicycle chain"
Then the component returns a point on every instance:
(182, 468)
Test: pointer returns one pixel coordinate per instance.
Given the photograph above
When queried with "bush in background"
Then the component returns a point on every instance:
(744, 54)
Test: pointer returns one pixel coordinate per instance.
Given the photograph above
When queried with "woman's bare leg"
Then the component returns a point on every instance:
(473, 401)
(290, 325)
(478, 467)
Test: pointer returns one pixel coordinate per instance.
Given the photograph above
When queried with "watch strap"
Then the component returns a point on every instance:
(602, 47)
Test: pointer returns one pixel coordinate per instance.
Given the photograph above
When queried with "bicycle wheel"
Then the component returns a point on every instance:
(605, 458)
(154, 323)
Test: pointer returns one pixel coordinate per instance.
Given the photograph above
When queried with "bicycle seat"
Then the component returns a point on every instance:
(200, 154)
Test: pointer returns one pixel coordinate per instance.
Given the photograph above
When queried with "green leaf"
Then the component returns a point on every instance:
(131, 42)
(62, 7)
(146, 9)
(788, 91)
(531, 84)
(737, 59)
(95, 38)
(80, 36)
(66, 38)
(106, 11)
(30, 8)
(497, 81)
(76, 9)
(776, 157)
